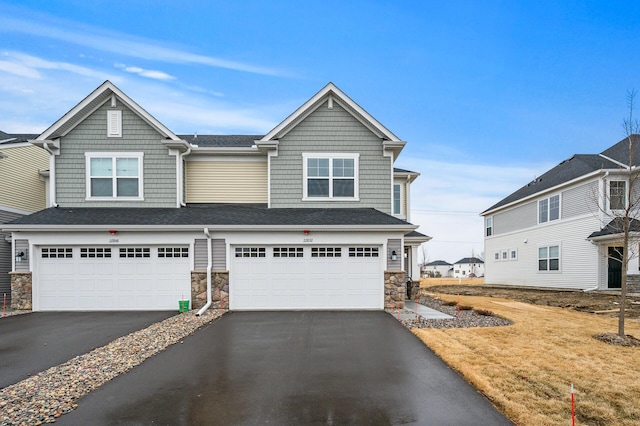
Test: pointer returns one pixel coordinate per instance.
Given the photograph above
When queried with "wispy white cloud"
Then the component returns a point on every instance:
(157, 75)
(29, 66)
(124, 44)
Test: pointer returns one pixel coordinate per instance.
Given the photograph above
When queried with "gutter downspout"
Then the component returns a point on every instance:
(52, 175)
(181, 178)
(209, 267)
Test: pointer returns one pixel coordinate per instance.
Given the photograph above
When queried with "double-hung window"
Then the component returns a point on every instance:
(114, 176)
(397, 198)
(617, 195)
(330, 176)
(488, 226)
(549, 209)
(549, 258)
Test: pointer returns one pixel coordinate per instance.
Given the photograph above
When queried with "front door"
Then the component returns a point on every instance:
(615, 267)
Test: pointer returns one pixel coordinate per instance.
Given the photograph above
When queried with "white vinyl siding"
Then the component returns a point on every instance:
(579, 258)
(514, 219)
(226, 182)
(580, 200)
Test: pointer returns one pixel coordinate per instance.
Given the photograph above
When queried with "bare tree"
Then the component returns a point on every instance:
(623, 210)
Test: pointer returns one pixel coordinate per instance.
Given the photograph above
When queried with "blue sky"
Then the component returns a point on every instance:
(487, 94)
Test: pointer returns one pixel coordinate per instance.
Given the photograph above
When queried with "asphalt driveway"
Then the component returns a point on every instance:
(291, 368)
(34, 342)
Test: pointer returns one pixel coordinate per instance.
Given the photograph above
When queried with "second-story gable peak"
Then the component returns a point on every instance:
(330, 95)
(106, 92)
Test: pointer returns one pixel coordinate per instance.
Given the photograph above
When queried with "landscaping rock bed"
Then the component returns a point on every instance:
(461, 319)
(49, 394)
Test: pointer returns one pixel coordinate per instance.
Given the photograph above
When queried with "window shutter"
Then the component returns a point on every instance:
(114, 123)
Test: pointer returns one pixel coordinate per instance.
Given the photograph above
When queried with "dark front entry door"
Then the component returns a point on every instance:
(615, 267)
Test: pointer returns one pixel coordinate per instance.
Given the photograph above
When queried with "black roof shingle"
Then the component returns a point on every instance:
(210, 215)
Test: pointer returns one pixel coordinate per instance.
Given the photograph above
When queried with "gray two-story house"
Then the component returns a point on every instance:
(312, 215)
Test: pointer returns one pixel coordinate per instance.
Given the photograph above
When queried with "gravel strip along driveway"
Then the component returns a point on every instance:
(462, 319)
(49, 394)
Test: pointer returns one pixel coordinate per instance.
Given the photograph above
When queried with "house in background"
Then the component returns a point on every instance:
(437, 269)
(556, 231)
(468, 267)
(312, 215)
(22, 192)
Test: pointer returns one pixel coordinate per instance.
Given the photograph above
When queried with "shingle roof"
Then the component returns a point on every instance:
(222, 141)
(16, 137)
(470, 260)
(398, 170)
(615, 227)
(438, 263)
(211, 215)
(574, 167)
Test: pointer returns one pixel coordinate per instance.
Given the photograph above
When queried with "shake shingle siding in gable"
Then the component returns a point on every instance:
(331, 131)
(137, 136)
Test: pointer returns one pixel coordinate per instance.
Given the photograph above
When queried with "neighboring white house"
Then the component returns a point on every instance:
(468, 267)
(436, 269)
(312, 215)
(557, 230)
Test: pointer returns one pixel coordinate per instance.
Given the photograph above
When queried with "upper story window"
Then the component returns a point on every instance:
(114, 176)
(330, 176)
(397, 198)
(617, 195)
(549, 209)
(488, 226)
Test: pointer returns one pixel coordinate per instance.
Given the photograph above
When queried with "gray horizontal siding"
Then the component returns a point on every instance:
(218, 255)
(394, 244)
(91, 135)
(5, 257)
(517, 218)
(22, 246)
(331, 131)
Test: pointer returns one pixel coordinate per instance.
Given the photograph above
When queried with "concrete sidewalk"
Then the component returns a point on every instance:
(421, 310)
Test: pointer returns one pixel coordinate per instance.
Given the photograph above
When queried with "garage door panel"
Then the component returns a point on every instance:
(111, 283)
(328, 279)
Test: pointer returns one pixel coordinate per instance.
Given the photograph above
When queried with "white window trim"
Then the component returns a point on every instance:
(547, 271)
(626, 190)
(513, 250)
(549, 209)
(331, 156)
(113, 155)
(402, 190)
(114, 123)
(486, 227)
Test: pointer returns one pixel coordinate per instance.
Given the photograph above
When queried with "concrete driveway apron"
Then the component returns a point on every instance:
(31, 343)
(291, 368)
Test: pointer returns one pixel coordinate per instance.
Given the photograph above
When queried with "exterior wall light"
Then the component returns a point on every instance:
(394, 255)
(20, 256)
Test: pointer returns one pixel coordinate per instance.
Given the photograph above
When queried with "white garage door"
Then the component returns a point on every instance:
(290, 277)
(112, 278)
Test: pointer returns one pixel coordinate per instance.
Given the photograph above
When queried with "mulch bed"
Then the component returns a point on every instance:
(617, 340)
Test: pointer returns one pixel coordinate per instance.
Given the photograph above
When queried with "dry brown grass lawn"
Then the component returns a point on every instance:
(527, 369)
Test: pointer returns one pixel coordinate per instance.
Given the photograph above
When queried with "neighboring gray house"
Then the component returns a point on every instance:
(312, 215)
(557, 231)
(468, 267)
(437, 269)
(22, 192)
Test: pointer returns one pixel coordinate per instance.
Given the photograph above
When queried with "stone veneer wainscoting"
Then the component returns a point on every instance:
(394, 289)
(219, 289)
(21, 291)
